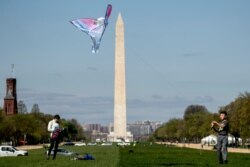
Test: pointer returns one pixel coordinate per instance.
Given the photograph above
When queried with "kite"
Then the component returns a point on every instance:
(94, 28)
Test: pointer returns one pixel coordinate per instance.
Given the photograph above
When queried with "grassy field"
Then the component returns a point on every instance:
(143, 155)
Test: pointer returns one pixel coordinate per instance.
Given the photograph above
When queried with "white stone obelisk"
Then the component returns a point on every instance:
(120, 121)
(120, 116)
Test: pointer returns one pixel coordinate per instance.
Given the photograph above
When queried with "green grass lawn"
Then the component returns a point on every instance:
(142, 155)
(159, 155)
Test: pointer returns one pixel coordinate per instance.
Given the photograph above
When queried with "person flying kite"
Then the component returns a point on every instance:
(94, 28)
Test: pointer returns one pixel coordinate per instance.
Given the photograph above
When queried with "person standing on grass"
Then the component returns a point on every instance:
(54, 129)
(222, 129)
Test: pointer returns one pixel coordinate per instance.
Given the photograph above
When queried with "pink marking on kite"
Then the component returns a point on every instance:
(109, 9)
(89, 22)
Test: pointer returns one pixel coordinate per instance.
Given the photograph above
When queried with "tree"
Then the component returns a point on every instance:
(194, 125)
(174, 129)
(193, 109)
(25, 126)
(160, 134)
(41, 120)
(32, 127)
(74, 129)
(1, 115)
(196, 122)
(7, 130)
(239, 115)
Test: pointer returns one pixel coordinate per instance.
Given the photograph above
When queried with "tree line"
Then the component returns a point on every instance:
(31, 128)
(196, 120)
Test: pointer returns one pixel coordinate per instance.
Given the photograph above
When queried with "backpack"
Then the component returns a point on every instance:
(55, 134)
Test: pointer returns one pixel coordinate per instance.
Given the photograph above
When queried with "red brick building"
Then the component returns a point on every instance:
(10, 100)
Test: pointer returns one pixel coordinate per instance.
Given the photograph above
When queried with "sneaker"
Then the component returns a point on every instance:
(225, 162)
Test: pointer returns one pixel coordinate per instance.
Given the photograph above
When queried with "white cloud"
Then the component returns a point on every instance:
(158, 101)
(89, 109)
(99, 109)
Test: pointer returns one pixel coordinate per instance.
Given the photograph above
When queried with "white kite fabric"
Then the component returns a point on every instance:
(94, 28)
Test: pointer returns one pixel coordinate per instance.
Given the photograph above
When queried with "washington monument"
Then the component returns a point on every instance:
(120, 116)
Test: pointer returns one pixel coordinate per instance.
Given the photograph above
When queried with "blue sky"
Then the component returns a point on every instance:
(178, 53)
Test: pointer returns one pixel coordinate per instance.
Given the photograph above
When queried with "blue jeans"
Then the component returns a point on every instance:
(222, 142)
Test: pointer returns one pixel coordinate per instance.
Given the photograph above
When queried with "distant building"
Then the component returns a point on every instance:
(96, 128)
(10, 100)
(21, 107)
(96, 132)
(105, 129)
(35, 108)
(92, 127)
(141, 130)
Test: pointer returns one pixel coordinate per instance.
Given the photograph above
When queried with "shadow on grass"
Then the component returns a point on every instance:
(178, 164)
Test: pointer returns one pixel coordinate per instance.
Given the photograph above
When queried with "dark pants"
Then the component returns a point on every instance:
(222, 142)
(53, 144)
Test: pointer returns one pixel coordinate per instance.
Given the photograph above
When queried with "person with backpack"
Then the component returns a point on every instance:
(55, 130)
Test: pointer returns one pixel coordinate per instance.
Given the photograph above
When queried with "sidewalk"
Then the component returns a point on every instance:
(205, 147)
(29, 147)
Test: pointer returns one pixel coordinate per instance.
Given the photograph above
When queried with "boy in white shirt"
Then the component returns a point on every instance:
(54, 129)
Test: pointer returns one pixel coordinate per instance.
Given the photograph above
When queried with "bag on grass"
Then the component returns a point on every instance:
(88, 157)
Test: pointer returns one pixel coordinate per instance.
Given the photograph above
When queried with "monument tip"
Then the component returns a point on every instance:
(119, 19)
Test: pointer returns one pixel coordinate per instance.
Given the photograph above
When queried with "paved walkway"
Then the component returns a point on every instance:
(29, 147)
(195, 146)
(205, 147)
